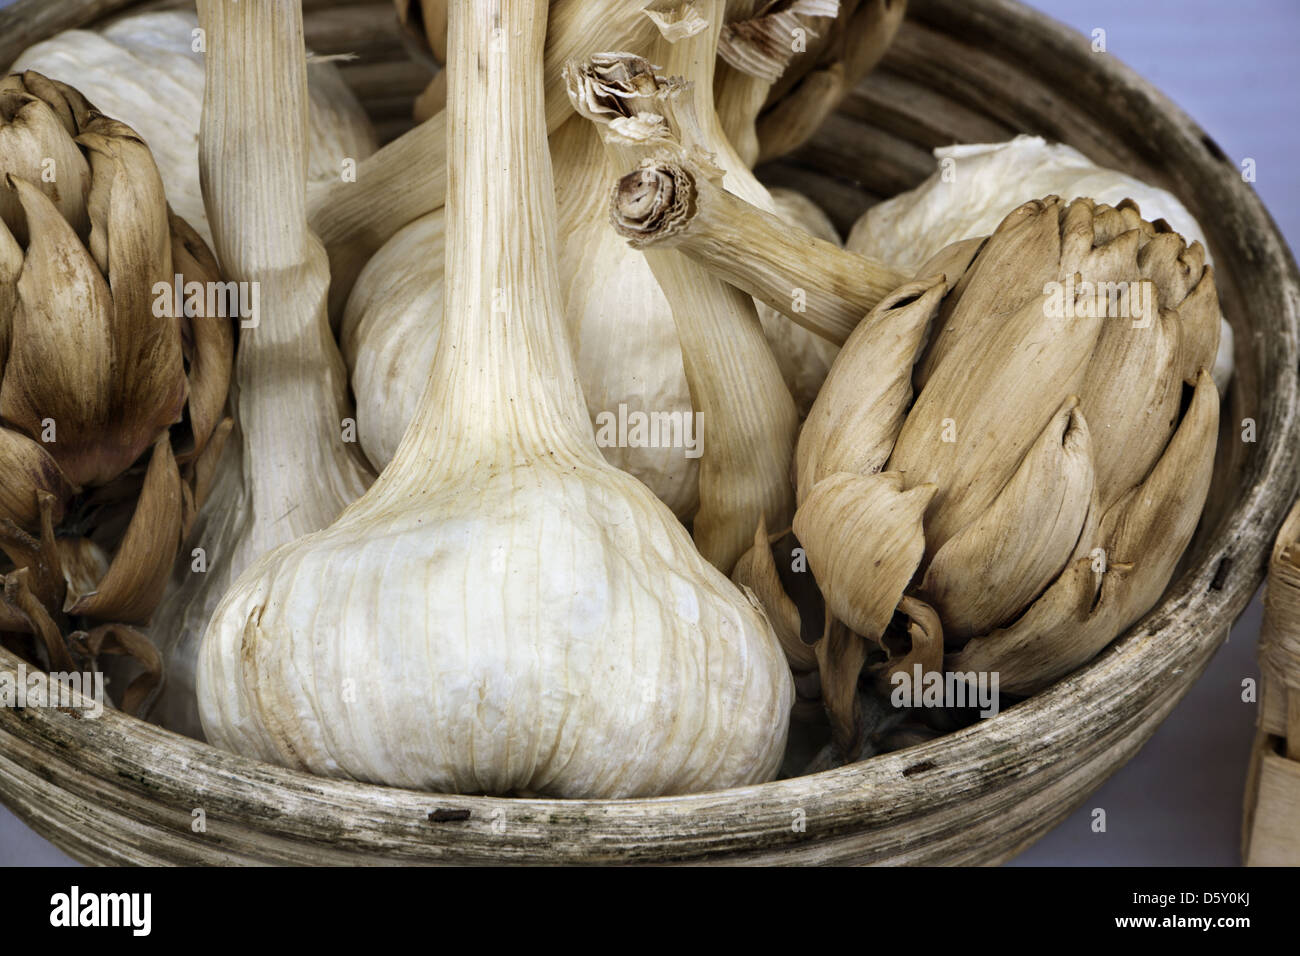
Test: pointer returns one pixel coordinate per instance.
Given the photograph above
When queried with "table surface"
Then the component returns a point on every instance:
(1231, 66)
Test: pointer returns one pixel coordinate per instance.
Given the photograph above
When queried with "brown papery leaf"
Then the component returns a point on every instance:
(25, 468)
(138, 575)
(119, 639)
(1143, 536)
(840, 656)
(994, 567)
(859, 411)
(756, 570)
(60, 367)
(211, 339)
(864, 540)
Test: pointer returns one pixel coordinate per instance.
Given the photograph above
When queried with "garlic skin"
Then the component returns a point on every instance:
(987, 181)
(390, 333)
(143, 70)
(502, 611)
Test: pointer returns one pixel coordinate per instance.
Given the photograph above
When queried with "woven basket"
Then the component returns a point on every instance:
(118, 790)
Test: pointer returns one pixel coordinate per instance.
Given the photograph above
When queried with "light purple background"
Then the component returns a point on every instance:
(1233, 68)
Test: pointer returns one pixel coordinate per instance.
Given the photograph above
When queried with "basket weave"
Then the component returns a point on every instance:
(116, 790)
(1271, 835)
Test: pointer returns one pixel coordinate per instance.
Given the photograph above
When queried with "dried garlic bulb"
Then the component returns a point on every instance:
(112, 407)
(625, 343)
(388, 338)
(144, 70)
(521, 617)
(1061, 441)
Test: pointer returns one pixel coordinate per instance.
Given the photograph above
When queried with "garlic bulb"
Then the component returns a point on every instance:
(978, 184)
(292, 464)
(144, 70)
(388, 337)
(519, 616)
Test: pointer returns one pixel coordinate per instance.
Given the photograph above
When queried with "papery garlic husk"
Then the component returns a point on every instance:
(144, 69)
(1048, 423)
(521, 616)
(977, 184)
(387, 337)
(113, 380)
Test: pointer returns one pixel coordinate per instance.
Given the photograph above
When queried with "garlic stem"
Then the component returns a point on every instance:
(813, 282)
(292, 398)
(286, 470)
(756, 50)
(736, 385)
(504, 384)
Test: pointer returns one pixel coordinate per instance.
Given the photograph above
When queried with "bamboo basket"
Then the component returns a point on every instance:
(117, 790)
(1271, 831)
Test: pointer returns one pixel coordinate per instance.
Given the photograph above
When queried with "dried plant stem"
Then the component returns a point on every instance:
(814, 283)
(749, 417)
(756, 50)
(834, 62)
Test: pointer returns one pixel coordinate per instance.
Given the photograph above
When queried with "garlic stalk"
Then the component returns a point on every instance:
(291, 468)
(407, 178)
(802, 356)
(832, 63)
(146, 69)
(625, 342)
(756, 49)
(735, 383)
(816, 284)
(521, 617)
